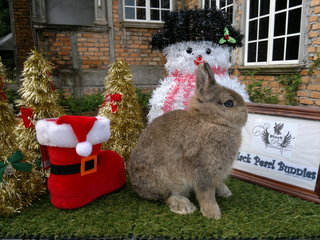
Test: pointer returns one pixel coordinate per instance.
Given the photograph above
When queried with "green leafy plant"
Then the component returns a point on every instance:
(315, 65)
(12, 96)
(257, 92)
(143, 97)
(73, 105)
(260, 94)
(290, 83)
(87, 103)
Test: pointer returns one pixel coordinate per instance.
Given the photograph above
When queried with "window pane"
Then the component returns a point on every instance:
(155, 15)
(253, 8)
(294, 21)
(280, 24)
(213, 4)
(253, 30)
(165, 3)
(230, 14)
(206, 4)
(141, 13)
(264, 7)
(141, 3)
(262, 51)
(293, 3)
(129, 2)
(278, 49)
(163, 13)
(71, 12)
(281, 4)
(154, 3)
(292, 48)
(252, 50)
(230, 2)
(129, 12)
(264, 28)
(222, 3)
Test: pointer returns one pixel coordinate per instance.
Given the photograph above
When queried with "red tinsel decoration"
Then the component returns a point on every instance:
(113, 98)
(26, 114)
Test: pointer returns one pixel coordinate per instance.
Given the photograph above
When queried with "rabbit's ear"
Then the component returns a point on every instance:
(205, 78)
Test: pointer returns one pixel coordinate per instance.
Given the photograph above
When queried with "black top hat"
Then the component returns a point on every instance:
(197, 25)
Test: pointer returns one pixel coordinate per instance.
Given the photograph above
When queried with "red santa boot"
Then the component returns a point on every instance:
(80, 171)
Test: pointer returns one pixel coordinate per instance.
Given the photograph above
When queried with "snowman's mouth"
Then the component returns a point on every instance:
(198, 60)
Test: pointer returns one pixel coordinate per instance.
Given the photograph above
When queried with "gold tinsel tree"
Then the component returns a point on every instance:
(38, 94)
(122, 108)
(15, 189)
(40, 98)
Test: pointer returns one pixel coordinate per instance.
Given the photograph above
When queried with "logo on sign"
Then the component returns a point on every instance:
(276, 137)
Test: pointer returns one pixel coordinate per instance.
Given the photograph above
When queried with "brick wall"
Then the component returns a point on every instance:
(309, 92)
(72, 52)
(132, 44)
(92, 49)
(22, 28)
(78, 51)
(57, 48)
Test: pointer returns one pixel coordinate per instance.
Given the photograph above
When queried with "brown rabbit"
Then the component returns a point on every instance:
(191, 151)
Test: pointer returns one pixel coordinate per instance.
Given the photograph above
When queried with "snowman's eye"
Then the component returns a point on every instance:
(208, 51)
(189, 50)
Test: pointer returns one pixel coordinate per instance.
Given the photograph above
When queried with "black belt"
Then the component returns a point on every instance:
(73, 168)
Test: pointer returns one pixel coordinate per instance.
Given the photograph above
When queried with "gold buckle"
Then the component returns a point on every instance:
(83, 170)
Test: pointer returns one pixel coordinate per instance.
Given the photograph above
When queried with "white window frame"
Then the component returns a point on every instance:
(271, 37)
(148, 12)
(224, 8)
(218, 4)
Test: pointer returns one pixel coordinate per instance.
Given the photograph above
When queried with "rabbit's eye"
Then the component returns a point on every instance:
(208, 51)
(228, 103)
(189, 50)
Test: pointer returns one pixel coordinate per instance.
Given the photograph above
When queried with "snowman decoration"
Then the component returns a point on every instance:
(191, 37)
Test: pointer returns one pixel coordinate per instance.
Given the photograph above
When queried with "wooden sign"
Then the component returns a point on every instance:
(281, 150)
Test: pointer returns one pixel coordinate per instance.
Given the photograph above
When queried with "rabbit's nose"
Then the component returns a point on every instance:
(199, 57)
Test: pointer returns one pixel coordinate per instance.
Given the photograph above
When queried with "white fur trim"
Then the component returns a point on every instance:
(51, 134)
(84, 149)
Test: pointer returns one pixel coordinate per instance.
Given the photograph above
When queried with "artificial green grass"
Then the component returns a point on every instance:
(252, 212)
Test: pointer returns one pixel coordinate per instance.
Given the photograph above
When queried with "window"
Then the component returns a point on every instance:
(225, 5)
(146, 10)
(71, 12)
(273, 31)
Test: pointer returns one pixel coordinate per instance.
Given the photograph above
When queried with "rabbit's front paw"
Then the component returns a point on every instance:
(180, 204)
(211, 210)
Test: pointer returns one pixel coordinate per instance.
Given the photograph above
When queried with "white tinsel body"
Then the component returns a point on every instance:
(181, 62)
